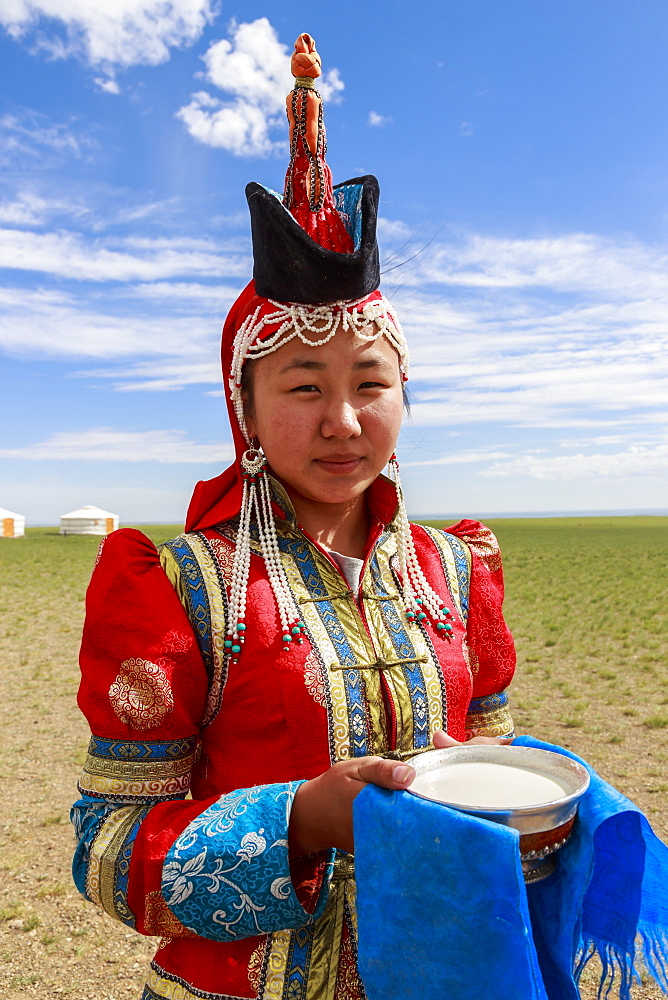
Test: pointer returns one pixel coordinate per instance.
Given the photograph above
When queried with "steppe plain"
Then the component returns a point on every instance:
(587, 600)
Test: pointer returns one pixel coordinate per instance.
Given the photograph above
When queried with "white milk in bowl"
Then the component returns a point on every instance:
(488, 785)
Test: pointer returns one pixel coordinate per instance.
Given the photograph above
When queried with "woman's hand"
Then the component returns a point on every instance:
(322, 812)
(442, 740)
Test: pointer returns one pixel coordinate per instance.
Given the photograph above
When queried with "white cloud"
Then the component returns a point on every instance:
(240, 127)
(57, 325)
(378, 121)
(107, 84)
(393, 229)
(30, 136)
(633, 462)
(252, 69)
(459, 458)
(105, 444)
(216, 298)
(163, 376)
(489, 353)
(572, 262)
(70, 255)
(466, 129)
(28, 209)
(108, 35)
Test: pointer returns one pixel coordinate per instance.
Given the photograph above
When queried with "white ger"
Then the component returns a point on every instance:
(11, 525)
(88, 521)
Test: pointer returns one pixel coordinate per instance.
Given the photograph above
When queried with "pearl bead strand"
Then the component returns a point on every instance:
(421, 602)
(256, 498)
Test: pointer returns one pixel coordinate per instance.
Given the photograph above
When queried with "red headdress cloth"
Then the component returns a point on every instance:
(315, 265)
(219, 499)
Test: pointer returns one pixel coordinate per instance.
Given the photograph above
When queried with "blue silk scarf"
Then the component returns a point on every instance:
(443, 909)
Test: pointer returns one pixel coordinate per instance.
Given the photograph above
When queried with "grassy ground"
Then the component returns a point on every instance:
(587, 602)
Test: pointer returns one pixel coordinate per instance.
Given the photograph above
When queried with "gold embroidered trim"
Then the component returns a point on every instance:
(408, 708)
(151, 787)
(177, 989)
(276, 965)
(217, 610)
(328, 597)
(101, 873)
(368, 595)
(344, 867)
(496, 722)
(378, 664)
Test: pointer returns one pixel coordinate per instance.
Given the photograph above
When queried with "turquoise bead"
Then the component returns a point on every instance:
(296, 630)
(421, 616)
(228, 643)
(440, 626)
(241, 628)
(449, 627)
(236, 649)
(287, 638)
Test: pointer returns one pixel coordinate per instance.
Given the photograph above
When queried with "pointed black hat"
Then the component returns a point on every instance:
(290, 266)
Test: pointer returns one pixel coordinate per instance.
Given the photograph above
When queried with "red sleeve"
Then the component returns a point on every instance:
(141, 671)
(143, 690)
(491, 646)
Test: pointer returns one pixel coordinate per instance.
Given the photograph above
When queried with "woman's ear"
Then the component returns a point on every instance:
(250, 423)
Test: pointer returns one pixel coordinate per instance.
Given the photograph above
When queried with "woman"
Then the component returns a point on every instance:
(299, 640)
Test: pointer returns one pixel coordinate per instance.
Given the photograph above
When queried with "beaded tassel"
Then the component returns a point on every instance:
(422, 604)
(316, 178)
(256, 498)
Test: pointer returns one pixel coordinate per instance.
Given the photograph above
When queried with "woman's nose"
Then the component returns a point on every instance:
(340, 420)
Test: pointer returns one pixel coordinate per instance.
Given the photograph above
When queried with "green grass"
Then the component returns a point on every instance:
(586, 599)
(51, 571)
(587, 602)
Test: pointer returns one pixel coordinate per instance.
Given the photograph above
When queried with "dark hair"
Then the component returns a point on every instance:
(248, 385)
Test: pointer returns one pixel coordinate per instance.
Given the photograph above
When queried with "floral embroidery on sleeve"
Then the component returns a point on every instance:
(228, 875)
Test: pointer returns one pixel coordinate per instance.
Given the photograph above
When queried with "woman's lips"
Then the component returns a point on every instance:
(340, 465)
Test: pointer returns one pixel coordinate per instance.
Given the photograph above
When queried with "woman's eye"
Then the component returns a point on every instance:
(305, 388)
(371, 385)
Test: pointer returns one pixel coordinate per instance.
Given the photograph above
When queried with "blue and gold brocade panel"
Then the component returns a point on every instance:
(490, 716)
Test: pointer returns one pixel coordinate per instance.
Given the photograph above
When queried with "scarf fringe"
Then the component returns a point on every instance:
(621, 969)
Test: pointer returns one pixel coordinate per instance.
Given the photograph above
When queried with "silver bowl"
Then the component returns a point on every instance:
(544, 827)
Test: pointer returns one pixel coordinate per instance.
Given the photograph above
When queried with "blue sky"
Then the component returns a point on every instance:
(522, 153)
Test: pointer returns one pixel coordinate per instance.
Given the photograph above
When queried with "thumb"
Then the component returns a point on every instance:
(442, 740)
(385, 773)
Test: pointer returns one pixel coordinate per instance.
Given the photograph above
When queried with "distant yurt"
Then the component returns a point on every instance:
(12, 525)
(88, 521)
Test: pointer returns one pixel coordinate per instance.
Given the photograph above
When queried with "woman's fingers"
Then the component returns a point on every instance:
(442, 740)
(322, 812)
(386, 773)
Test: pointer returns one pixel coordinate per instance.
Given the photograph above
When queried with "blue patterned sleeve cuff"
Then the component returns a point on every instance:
(227, 876)
(87, 816)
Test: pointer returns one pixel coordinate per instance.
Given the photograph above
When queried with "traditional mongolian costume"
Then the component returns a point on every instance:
(242, 658)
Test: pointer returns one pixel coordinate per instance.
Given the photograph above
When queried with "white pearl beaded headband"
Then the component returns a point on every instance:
(314, 325)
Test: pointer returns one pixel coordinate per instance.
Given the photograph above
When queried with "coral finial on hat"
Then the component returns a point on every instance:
(308, 182)
(306, 61)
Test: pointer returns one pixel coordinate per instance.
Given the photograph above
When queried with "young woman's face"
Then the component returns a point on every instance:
(327, 417)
